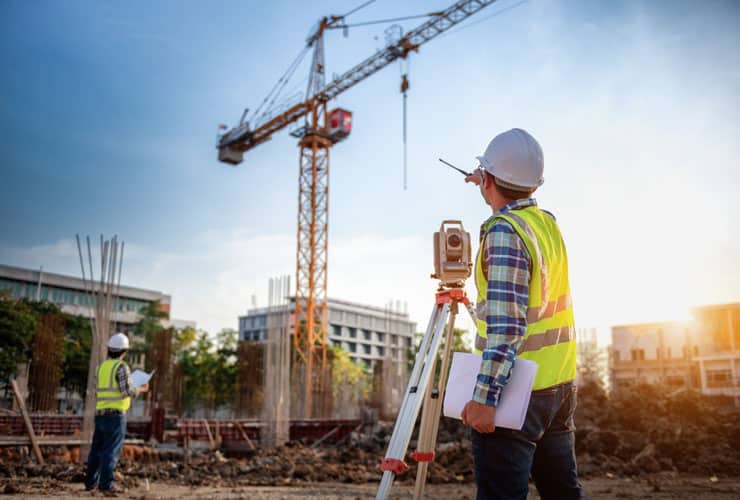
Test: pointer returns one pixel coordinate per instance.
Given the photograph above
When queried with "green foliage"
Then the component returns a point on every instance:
(459, 344)
(184, 338)
(18, 321)
(225, 377)
(149, 324)
(198, 365)
(347, 373)
(76, 353)
(146, 329)
(209, 369)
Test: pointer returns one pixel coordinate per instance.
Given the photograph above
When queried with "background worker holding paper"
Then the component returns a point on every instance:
(524, 311)
(114, 390)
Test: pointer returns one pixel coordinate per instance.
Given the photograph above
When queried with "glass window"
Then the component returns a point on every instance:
(366, 348)
(351, 347)
(336, 330)
(381, 350)
(718, 378)
(367, 334)
(353, 333)
(381, 337)
(638, 354)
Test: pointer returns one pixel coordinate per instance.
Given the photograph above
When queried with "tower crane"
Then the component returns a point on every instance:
(321, 130)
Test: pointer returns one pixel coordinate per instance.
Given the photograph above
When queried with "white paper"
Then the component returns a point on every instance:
(512, 406)
(140, 377)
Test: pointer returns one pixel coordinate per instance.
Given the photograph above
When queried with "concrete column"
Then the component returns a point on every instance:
(733, 368)
(731, 329)
(703, 376)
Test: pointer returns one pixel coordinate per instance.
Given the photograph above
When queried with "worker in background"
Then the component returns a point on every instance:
(524, 311)
(114, 391)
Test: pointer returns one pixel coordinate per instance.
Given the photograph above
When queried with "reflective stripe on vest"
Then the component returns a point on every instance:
(549, 339)
(108, 392)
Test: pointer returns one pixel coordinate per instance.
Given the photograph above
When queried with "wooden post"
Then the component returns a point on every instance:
(325, 437)
(210, 436)
(27, 420)
(244, 435)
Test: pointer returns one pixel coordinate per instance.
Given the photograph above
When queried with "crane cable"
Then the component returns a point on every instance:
(385, 21)
(280, 85)
(405, 147)
(404, 89)
(470, 25)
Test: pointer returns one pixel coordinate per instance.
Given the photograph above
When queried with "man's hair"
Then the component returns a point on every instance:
(115, 353)
(508, 193)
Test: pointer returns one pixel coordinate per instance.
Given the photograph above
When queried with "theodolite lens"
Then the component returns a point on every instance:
(454, 240)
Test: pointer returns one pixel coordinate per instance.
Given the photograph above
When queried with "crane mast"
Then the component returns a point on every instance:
(310, 318)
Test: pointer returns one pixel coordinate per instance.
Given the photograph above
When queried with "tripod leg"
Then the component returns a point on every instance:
(432, 410)
(420, 378)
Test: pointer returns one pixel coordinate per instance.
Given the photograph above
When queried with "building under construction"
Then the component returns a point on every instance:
(701, 354)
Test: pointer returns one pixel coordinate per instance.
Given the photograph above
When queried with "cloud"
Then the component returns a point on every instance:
(212, 279)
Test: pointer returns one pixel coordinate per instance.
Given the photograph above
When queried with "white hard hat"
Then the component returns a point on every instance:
(515, 159)
(118, 342)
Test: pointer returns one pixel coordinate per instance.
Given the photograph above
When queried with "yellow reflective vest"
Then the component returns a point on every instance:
(549, 339)
(108, 392)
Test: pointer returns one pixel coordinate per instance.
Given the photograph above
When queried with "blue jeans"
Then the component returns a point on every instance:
(106, 447)
(543, 448)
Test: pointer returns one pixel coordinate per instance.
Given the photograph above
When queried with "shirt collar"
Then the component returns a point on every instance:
(514, 205)
(517, 204)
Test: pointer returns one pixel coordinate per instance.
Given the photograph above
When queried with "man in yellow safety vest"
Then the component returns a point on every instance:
(524, 311)
(114, 391)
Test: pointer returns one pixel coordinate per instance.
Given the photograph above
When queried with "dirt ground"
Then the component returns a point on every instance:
(661, 486)
(645, 443)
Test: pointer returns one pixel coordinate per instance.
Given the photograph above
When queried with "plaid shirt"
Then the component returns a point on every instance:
(123, 376)
(508, 264)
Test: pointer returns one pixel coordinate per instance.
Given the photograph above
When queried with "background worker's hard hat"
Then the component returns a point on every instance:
(118, 342)
(515, 160)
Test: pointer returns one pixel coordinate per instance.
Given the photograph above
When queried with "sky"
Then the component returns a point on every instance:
(109, 114)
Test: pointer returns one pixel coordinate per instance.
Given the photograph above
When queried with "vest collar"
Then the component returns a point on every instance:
(514, 205)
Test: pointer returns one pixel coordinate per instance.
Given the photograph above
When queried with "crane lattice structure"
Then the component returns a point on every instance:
(316, 137)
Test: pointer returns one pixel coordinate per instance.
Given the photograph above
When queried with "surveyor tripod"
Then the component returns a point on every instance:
(421, 389)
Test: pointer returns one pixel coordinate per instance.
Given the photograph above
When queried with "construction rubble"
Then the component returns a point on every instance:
(639, 433)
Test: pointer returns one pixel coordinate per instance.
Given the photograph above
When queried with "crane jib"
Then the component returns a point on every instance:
(238, 140)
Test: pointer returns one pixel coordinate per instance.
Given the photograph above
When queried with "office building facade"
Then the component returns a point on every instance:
(69, 293)
(367, 333)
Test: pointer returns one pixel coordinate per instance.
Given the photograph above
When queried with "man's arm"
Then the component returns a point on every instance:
(508, 263)
(123, 376)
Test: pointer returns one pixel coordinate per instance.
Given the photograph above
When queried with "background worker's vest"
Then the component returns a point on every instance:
(550, 338)
(108, 391)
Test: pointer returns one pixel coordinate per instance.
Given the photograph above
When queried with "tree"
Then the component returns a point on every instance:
(459, 344)
(199, 365)
(225, 376)
(184, 338)
(18, 321)
(76, 352)
(350, 381)
(150, 322)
